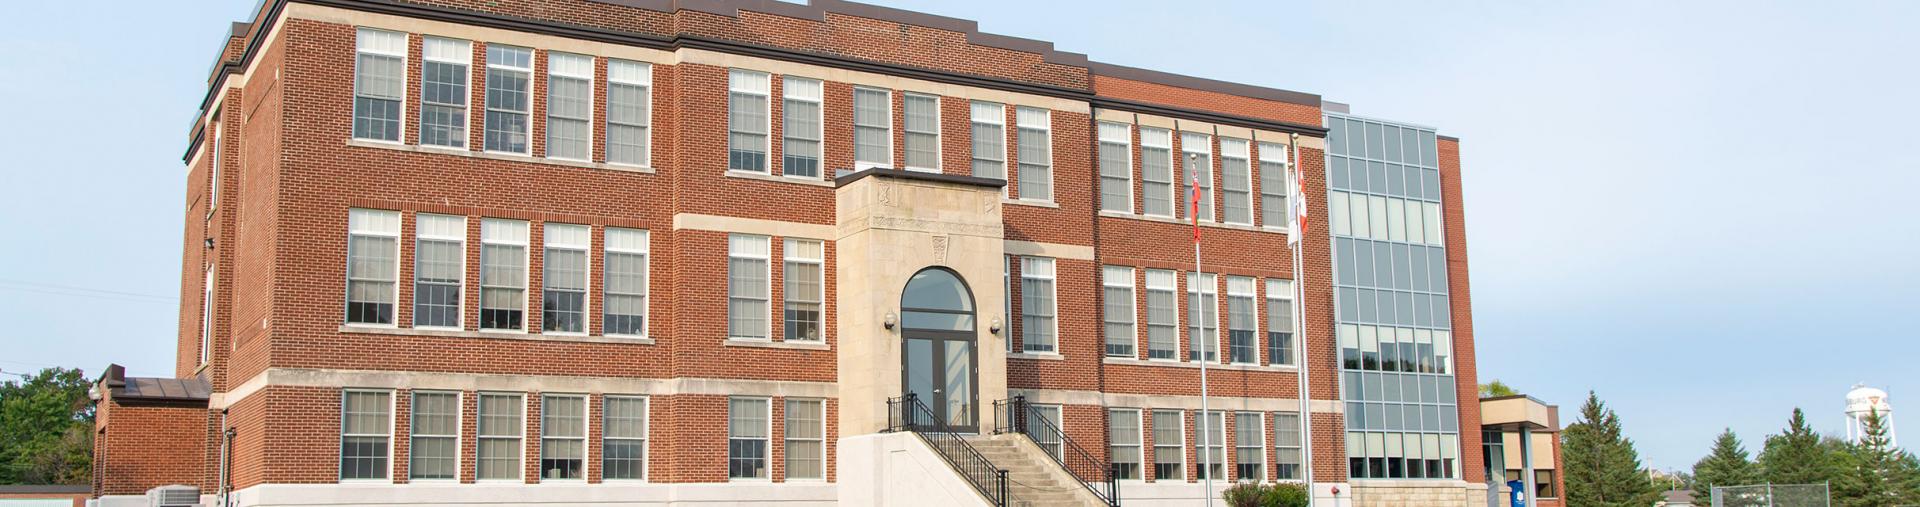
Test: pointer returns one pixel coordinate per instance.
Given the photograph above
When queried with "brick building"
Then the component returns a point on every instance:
(689, 252)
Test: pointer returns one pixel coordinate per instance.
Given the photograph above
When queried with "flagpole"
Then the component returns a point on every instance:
(1299, 321)
(1200, 296)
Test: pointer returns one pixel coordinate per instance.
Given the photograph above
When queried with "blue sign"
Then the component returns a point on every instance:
(1519, 493)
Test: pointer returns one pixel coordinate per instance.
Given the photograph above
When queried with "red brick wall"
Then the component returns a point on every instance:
(140, 447)
(1168, 95)
(1454, 226)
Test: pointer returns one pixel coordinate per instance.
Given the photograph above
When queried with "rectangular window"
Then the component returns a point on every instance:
(923, 132)
(747, 120)
(439, 270)
(1280, 321)
(1286, 445)
(747, 287)
(1275, 184)
(213, 175)
(1123, 440)
(503, 274)
(805, 283)
(872, 128)
(206, 317)
(800, 127)
(1116, 167)
(1236, 183)
(563, 437)
(1116, 284)
(498, 452)
(373, 265)
(1543, 484)
(366, 424)
(569, 106)
(1156, 172)
(379, 83)
(1243, 327)
(509, 99)
(1250, 452)
(1169, 445)
(435, 451)
(563, 300)
(623, 452)
(1037, 305)
(1197, 157)
(1035, 129)
(989, 139)
(1006, 293)
(806, 439)
(1203, 317)
(1163, 316)
(629, 113)
(1045, 416)
(626, 279)
(747, 429)
(1211, 449)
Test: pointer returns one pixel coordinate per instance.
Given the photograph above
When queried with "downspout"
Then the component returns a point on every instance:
(226, 449)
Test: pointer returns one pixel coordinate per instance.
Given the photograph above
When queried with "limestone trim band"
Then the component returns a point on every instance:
(684, 221)
(334, 378)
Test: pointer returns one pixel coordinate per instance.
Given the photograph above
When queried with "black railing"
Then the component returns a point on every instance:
(909, 414)
(1016, 416)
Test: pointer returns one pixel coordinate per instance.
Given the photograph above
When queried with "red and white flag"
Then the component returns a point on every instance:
(1299, 207)
(1193, 203)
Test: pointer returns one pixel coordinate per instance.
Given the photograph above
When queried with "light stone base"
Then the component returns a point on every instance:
(900, 469)
(797, 494)
(1389, 493)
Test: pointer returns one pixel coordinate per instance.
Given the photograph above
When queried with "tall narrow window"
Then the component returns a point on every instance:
(1156, 172)
(569, 106)
(1286, 445)
(206, 317)
(872, 127)
(563, 437)
(629, 113)
(806, 439)
(1006, 292)
(747, 420)
(1116, 283)
(1116, 167)
(563, 300)
(498, 453)
(1249, 447)
(1211, 449)
(503, 274)
(747, 287)
(923, 132)
(1196, 153)
(443, 91)
(1203, 318)
(373, 265)
(1123, 441)
(1280, 321)
(1169, 445)
(747, 120)
(800, 127)
(1037, 305)
(1236, 183)
(435, 448)
(1046, 416)
(805, 281)
(213, 176)
(379, 83)
(623, 451)
(626, 279)
(366, 426)
(1274, 186)
(439, 270)
(1035, 129)
(1243, 326)
(1163, 315)
(509, 99)
(989, 139)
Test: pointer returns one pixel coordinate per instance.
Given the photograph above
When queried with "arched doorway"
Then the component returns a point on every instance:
(939, 353)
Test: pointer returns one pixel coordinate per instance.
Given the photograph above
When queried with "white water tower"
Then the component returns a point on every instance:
(1863, 400)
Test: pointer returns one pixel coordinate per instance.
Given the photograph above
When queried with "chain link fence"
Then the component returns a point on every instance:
(1772, 495)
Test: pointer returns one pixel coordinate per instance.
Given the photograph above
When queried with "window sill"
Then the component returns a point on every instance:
(1031, 202)
(1168, 363)
(1203, 223)
(497, 155)
(498, 335)
(820, 345)
(778, 179)
(1040, 356)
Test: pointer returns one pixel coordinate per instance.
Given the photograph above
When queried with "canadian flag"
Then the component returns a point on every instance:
(1299, 206)
(1193, 203)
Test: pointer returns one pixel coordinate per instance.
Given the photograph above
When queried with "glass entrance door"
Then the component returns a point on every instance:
(938, 355)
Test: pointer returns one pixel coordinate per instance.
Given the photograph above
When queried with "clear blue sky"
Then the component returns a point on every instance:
(1701, 210)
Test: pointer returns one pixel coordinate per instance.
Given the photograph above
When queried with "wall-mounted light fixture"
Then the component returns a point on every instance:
(994, 327)
(891, 319)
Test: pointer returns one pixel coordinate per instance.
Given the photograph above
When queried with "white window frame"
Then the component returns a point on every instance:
(354, 106)
(642, 76)
(1227, 150)
(421, 233)
(459, 427)
(1172, 290)
(533, 55)
(1300, 433)
(552, 242)
(1261, 448)
(1107, 281)
(1006, 296)
(553, 71)
(997, 120)
(646, 442)
(520, 469)
(1250, 291)
(864, 164)
(1273, 153)
(767, 437)
(213, 175)
(1126, 144)
(393, 218)
(787, 440)
(1046, 127)
(766, 128)
(1281, 289)
(766, 261)
(1173, 169)
(906, 131)
(526, 269)
(1218, 435)
(466, 77)
(1204, 285)
(1212, 188)
(1185, 472)
(586, 423)
(818, 98)
(206, 318)
(1053, 283)
(645, 251)
(391, 415)
(1145, 464)
(788, 257)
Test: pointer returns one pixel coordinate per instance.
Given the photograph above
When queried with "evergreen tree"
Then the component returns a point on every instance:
(1727, 465)
(1602, 468)
(1874, 473)
(1796, 456)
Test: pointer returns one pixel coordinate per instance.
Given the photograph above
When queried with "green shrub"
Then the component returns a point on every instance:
(1247, 494)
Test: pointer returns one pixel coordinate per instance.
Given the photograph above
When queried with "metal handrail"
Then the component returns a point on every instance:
(1012, 415)
(909, 414)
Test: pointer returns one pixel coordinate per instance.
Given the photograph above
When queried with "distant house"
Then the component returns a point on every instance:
(1676, 498)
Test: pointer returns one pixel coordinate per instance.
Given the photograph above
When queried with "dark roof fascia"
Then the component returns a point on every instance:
(1203, 84)
(850, 177)
(1446, 138)
(817, 10)
(1209, 116)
